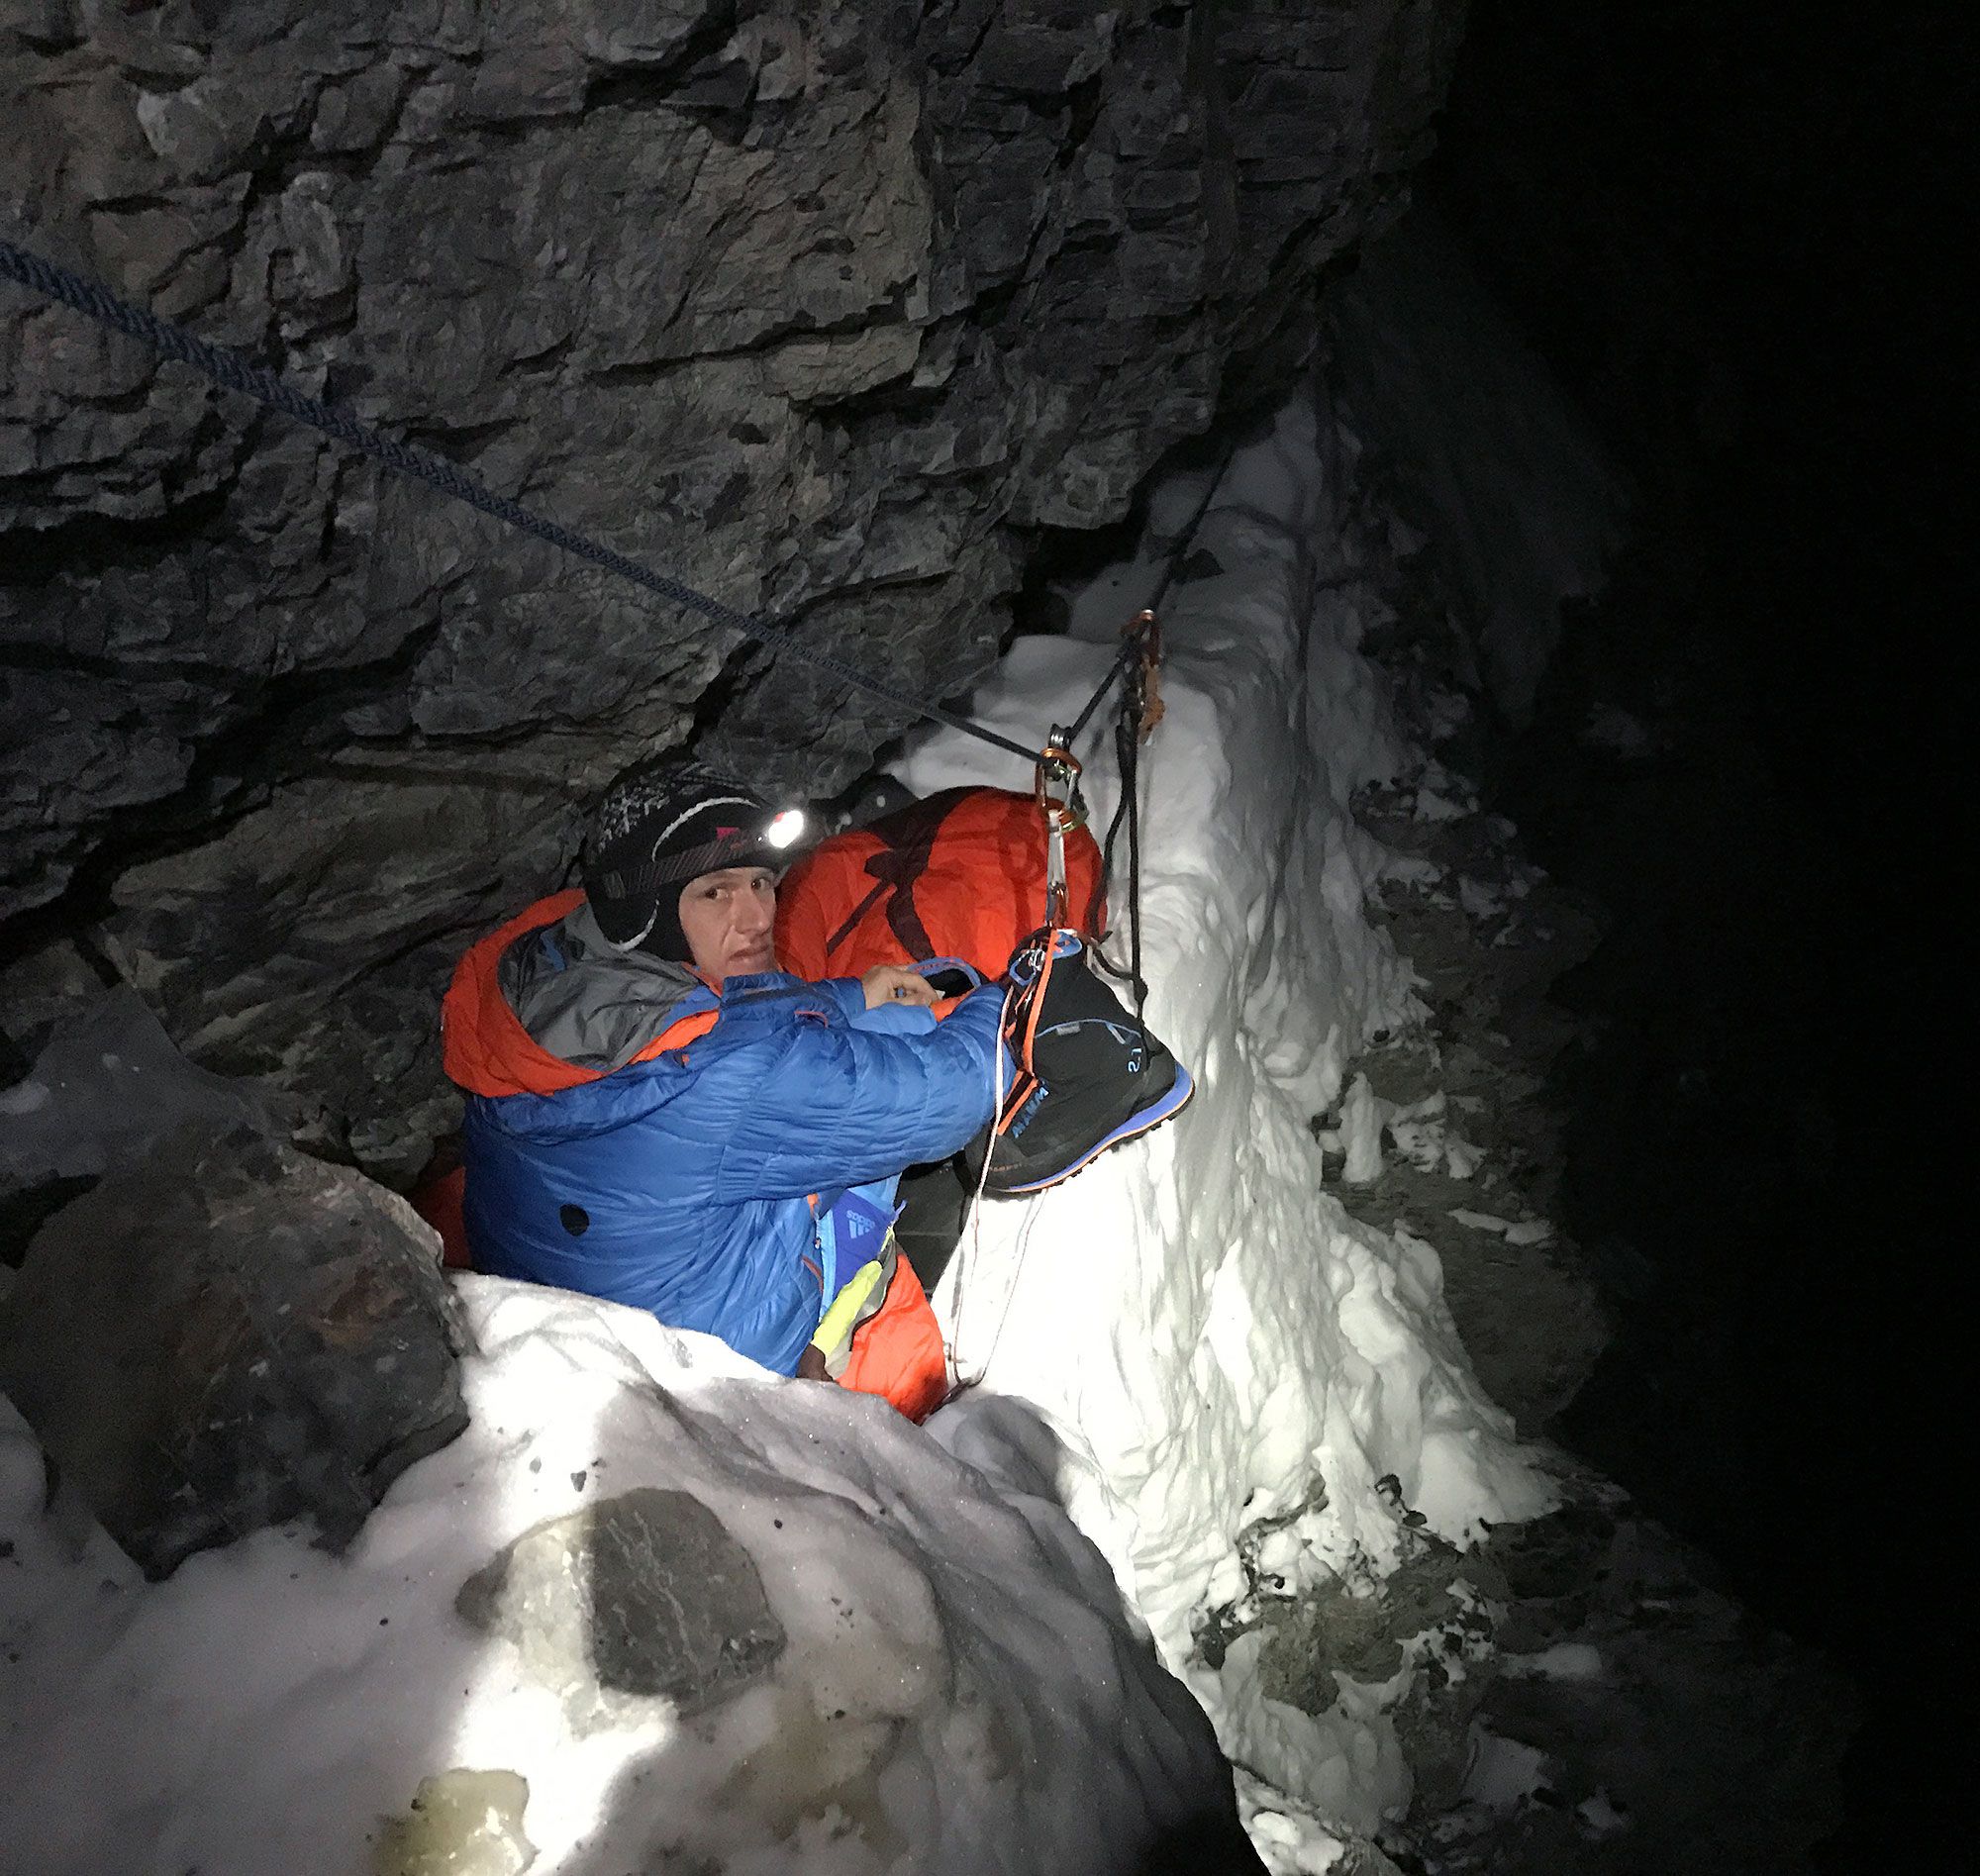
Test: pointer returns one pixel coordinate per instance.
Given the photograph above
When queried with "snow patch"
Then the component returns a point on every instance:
(1504, 1773)
(1202, 1330)
(1564, 1661)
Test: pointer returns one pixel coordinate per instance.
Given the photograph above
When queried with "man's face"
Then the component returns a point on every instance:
(726, 919)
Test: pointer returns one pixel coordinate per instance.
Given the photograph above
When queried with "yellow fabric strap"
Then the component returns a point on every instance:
(834, 1333)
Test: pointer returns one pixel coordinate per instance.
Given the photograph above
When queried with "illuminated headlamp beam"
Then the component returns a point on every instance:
(785, 828)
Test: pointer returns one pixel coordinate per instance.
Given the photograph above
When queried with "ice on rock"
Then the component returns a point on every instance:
(461, 1823)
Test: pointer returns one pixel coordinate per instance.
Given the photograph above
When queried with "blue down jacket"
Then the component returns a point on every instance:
(684, 1184)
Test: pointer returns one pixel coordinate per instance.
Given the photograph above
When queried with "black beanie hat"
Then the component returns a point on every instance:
(660, 824)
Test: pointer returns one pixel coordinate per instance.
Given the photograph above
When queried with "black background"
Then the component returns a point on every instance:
(1735, 231)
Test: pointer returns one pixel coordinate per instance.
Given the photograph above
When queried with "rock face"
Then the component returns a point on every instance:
(230, 1336)
(647, 1590)
(1481, 449)
(826, 309)
(106, 1088)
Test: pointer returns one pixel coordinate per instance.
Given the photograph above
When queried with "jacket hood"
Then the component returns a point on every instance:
(542, 1004)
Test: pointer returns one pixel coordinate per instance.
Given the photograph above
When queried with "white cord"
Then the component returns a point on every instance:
(1011, 1288)
(972, 1226)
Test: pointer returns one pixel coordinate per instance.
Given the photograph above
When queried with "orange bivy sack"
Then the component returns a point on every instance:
(960, 874)
(897, 1352)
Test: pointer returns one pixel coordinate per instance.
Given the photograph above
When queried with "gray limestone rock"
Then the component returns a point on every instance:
(826, 309)
(1527, 507)
(109, 1085)
(661, 1600)
(308, 945)
(230, 1336)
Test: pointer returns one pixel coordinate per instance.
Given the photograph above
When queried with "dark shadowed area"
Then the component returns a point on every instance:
(1723, 226)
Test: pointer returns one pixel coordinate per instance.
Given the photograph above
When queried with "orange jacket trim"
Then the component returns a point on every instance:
(486, 1050)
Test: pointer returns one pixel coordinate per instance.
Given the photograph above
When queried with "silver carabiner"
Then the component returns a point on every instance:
(1057, 770)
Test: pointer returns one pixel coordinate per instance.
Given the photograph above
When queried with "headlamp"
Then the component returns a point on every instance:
(785, 828)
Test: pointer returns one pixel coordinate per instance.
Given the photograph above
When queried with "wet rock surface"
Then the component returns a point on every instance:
(230, 1336)
(1461, 1131)
(647, 1589)
(1658, 1726)
(826, 310)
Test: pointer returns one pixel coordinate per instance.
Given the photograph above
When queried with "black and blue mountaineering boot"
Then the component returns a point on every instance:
(1089, 1076)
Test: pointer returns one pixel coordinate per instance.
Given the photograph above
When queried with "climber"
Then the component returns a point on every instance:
(657, 1116)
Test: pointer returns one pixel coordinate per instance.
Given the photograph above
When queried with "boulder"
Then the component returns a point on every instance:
(647, 1590)
(228, 1335)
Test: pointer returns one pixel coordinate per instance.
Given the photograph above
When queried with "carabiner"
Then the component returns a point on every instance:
(1057, 768)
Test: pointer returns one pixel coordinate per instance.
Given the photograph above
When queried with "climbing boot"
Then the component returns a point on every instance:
(1089, 1076)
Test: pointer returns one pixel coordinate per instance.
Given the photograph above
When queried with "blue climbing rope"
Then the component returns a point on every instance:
(231, 372)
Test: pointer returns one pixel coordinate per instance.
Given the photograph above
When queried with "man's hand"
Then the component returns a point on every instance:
(811, 1365)
(895, 983)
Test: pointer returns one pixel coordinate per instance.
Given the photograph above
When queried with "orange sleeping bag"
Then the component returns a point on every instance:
(961, 874)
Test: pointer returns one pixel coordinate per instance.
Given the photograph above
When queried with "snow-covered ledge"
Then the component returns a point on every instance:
(1207, 1335)
(854, 1647)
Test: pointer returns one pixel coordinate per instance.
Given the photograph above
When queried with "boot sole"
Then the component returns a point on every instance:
(1148, 1119)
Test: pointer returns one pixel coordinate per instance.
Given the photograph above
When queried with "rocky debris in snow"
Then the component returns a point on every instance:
(1435, 1612)
(1638, 1720)
(1453, 1118)
(1417, 1130)
(1579, 1699)
(229, 1334)
(1451, 1115)
(648, 1591)
(1414, 1641)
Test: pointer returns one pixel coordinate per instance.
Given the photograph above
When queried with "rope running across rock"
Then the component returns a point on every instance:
(233, 372)
(230, 371)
